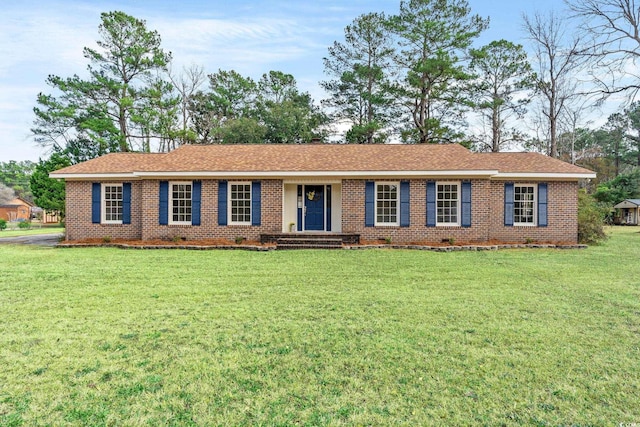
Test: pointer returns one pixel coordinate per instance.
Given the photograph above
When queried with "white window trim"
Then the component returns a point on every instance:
(230, 207)
(535, 206)
(458, 204)
(170, 207)
(103, 203)
(375, 204)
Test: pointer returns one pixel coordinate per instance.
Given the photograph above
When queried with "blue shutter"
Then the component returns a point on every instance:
(542, 204)
(405, 204)
(196, 197)
(95, 202)
(256, 202)
(126, 203)
(164, 203)
(508, 204)
(431, 203)
(222, 202)
(369, 202)
(466, 204)
(299, 201)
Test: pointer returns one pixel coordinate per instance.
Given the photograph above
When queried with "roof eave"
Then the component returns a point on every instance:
(90, 176)
(492, 174)
(542, 175)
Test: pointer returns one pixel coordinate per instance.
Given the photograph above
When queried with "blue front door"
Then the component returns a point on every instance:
(314, 207)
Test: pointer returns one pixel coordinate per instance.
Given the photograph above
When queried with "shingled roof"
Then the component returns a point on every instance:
(320, 159)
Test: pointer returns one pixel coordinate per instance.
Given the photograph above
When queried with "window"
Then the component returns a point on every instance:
(524, 204)
(387, 203)
(112, 198)
(240, 203)
(180, 202)
(448, 203)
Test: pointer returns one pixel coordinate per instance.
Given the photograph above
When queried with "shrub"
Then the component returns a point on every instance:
(239, 239)
(3, 224)
(591, 217)
(106, 239)
(24, 225)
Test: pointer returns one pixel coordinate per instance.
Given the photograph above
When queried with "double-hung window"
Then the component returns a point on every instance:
(524, 204)
(112, 202)
(240, 203)
(387, 203)
(448, 203)
(180, 203)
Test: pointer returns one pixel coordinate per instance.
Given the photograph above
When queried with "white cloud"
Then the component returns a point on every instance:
(248, 45)
(16, 141)
(47, 40)
(34, 43)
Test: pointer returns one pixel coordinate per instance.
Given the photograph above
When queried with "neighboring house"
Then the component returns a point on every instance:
(408, 193)
(629, 212)
(17, 209)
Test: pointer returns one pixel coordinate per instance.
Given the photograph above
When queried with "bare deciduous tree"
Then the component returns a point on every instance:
(613, 31)
(557, 61)
(186, 84)
(571, 119)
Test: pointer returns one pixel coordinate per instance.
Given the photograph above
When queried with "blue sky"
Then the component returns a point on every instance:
(38, 38)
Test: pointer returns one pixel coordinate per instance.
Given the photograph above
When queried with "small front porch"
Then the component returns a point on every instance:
(312, 207)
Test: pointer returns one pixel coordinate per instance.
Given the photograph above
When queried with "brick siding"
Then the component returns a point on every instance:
(487, 206)
(78, 223)
(145, 215)
(562, 214)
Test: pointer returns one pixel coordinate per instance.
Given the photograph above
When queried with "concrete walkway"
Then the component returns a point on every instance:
(51, 239)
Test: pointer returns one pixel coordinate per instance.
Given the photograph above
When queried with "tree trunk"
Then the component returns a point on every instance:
(495, 129)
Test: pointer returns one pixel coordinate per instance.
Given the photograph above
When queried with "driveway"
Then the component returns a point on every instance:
(51, 239)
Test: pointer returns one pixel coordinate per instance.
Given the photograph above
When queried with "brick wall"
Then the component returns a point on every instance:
(562, 214)
(487, 215)
(78, 214)
(271, 221)
(145, 214)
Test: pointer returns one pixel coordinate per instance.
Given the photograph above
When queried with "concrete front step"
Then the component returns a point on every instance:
(346, 238)
(308, 243)
(280, 246)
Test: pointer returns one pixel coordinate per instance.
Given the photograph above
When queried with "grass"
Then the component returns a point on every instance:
(103, 336)
(36, 229)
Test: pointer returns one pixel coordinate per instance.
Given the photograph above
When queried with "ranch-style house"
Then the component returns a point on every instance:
(406, 193)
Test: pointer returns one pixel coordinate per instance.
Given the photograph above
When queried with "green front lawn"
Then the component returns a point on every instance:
(103, 336)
